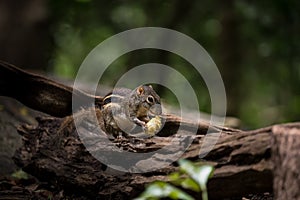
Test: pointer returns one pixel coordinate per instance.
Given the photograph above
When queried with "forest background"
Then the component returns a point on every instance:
(255, 44)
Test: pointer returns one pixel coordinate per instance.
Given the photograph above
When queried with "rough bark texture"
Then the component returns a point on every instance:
(286, 159)
(57, 156)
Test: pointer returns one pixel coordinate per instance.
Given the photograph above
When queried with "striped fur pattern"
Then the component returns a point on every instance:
(124, 109)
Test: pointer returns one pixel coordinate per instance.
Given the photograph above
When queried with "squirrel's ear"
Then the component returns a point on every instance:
(140, 90)
(150, 86)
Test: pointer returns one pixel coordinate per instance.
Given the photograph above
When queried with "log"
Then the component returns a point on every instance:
(58, 156)
(45, 95)
(286, 159)
(39, 92)
(63, 155)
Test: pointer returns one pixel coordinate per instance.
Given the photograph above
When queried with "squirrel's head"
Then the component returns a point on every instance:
(150, 101)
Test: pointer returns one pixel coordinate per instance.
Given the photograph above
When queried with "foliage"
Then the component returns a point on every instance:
(20, 174)
(190, 176)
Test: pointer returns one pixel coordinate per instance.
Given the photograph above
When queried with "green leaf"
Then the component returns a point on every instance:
(189, 183)
(20, 174)
(200, 174)
(160, 189)
(177, 178)
(205, 172)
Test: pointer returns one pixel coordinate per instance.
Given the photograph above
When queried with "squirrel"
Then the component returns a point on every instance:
(120, 110)
(128, 111)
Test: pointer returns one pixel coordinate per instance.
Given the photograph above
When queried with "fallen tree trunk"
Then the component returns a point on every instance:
(40, 93)
(63, 156)
(241, 159)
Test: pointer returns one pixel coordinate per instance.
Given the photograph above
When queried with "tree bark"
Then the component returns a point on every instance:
(230, 55)
(25, 28)
(286, 159)
(41, 93)
(50, 153)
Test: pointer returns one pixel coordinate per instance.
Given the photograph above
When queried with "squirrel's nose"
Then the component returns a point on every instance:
(155, 109)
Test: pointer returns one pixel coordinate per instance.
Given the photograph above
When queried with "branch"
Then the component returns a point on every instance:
(50, 97)
(40, 93)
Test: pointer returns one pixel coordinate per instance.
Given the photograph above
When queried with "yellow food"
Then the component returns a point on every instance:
(153, 126)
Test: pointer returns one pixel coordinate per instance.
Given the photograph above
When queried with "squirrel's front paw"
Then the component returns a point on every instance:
(139, 122)
(153, 126)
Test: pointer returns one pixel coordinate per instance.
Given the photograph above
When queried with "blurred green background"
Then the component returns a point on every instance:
(255, 44)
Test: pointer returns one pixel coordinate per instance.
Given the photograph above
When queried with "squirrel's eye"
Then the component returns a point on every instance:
(150, 99)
